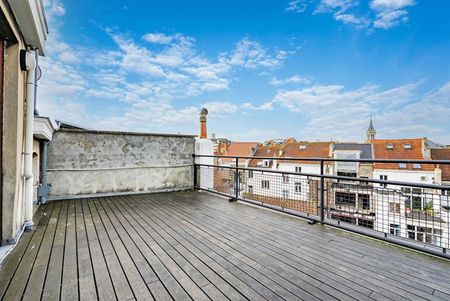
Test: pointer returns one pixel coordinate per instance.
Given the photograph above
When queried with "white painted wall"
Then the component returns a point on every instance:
(205, 147)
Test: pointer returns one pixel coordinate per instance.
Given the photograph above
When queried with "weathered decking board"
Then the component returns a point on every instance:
(196, 246)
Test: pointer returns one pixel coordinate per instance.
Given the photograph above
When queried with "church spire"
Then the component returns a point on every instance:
(370, 133)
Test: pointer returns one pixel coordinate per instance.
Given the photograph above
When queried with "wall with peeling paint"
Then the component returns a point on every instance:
(84, 163)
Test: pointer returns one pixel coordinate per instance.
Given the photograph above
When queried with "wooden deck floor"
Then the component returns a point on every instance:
(198, 246)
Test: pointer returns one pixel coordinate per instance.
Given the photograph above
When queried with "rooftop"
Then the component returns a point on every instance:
(191, 245)
(400, 149)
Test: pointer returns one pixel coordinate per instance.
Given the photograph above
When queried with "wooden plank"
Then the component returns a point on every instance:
(222, 215)
(22, 274)
(34, 288)
(143, 241)
(86, 279)
(11, 262)
(119, 280)
(243, 277)
(252, 268)
(292, 242)
(69, 283)
(115, 232)
(104, 284)
(186, 252)
(52, 285)
(184, 264)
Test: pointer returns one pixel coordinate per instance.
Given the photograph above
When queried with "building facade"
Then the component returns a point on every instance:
(23, 33)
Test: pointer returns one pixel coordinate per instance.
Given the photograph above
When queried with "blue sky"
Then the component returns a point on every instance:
(309, 69)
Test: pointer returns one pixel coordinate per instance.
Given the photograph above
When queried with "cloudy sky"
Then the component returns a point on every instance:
(309, 69)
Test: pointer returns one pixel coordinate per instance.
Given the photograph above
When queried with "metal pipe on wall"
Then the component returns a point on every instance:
(30, 65)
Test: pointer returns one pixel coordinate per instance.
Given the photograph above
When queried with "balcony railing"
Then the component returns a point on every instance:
(416, 215)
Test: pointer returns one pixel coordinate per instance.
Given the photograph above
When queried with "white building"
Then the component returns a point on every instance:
(408, 211)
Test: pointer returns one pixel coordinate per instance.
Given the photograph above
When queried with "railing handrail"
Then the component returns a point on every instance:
(317, 159)
(353, 179)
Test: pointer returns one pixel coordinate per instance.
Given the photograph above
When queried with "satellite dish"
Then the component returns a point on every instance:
(38, 73)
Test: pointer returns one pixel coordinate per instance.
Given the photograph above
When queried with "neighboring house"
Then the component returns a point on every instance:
(404, 211)
(224, 178)
(23, 34)
(297, 192)
(442, 171)
(352, 201)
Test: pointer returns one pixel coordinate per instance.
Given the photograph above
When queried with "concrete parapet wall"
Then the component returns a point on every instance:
(85, 163)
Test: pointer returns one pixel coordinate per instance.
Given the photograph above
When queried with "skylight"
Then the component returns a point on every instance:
(302, 146)
(407, 145)
(390, 146)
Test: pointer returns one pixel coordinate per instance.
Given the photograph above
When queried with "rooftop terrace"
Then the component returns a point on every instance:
(191, 245)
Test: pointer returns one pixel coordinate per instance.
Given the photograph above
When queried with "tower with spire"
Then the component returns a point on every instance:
(370, 133)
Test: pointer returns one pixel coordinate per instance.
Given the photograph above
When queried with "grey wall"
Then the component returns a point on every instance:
(82, 163)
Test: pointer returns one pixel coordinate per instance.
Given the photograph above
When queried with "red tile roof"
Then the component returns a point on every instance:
(305, 149)
(291, 148)
(239, 149)
(442, 154)
(398, 151)
(266, 151)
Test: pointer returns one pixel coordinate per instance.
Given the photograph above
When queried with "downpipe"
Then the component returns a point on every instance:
(29, 63)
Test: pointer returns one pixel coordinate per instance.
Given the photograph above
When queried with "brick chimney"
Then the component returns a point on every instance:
(203, 113)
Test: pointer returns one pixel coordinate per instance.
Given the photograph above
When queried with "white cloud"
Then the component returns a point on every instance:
(390, 13)
(333, 111)
(141, 86)
(220, 108)
(268, 106)
(158, 38)
(295, 79)
(251, 55)
(382, 14)
(297, 6)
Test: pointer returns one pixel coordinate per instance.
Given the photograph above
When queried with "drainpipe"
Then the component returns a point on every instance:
(29, 60)
(44, 187)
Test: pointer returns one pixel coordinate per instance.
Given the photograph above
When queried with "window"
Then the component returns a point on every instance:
(424, 234)
(298, 187)
(344, 198)
(250, 189)
(345, 219)
(265, 163)
(298, 169)
(394, 229)
(250, 173)
(365, 223)
(347, 174)
(265, 184)
(407, 145)
(364, 201)
(417, 166)
(285, 194)
(383, 178)
(285, 179)
(390, 146)
(402, 165)
(394, 207)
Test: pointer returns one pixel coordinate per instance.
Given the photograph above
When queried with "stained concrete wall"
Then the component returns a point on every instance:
(82, 163)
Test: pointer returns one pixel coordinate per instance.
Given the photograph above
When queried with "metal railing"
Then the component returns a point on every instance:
(410, 213)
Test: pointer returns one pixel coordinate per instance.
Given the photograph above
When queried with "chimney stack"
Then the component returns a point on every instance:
(203, 113)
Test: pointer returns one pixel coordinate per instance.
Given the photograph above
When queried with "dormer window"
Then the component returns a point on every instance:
(417, 166)
(407, 145)
(302, 146)
(390, 146)
(402, 165)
